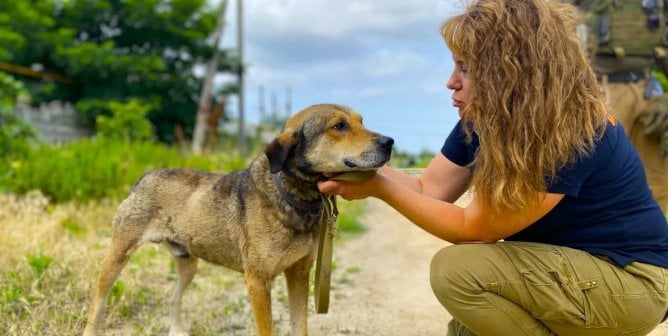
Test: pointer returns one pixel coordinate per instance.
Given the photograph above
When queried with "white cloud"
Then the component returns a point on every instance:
(393, 63)
(336, 19)
(381, 56)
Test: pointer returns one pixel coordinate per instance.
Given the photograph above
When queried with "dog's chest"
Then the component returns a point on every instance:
(292, 253)
(277, 254)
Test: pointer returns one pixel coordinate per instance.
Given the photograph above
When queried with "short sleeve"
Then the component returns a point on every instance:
(569, 180)
(457, 149)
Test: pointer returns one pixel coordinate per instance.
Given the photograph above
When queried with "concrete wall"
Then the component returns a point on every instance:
(54, 122)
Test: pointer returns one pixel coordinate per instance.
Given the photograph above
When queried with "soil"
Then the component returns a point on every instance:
(383, 289)
(389, 294)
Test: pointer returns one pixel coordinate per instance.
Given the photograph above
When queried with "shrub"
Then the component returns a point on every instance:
(15, 135)
(127, 121)
(14, 132)
(100, 168)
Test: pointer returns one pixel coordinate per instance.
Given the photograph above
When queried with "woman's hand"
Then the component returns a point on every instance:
(352, 190)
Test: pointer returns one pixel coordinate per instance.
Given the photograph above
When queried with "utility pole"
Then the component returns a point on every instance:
(261, 108)
(288, 101)
(204, 106)
(240, 44)
(274, 104)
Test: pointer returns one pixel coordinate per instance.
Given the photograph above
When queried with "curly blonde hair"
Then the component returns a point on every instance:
(534, 101)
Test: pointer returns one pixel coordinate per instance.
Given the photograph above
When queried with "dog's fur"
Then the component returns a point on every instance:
(242, 220)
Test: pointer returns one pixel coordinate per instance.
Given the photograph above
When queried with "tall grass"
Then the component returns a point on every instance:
(100, 168)
(49, 261)
(56, 205)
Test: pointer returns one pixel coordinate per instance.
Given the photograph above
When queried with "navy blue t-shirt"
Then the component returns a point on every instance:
(607, 209)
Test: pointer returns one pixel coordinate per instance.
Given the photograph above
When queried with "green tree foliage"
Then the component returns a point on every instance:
(15, 134)
(114, 50)
(127, 122)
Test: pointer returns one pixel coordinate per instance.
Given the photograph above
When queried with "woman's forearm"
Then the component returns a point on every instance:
(441, 219)
(411, 182)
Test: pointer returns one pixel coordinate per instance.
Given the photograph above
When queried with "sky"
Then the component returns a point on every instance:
(383, 58)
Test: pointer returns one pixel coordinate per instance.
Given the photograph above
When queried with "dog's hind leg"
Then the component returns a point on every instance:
(115, 260)
(297, 278)
(259, 291)
(185, 269)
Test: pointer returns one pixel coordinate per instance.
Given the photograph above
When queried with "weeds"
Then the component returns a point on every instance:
(50, 256)
(72, 227)
(100, 168)
(349, 213)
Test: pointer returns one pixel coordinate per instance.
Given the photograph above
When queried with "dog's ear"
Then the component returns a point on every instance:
(280, 150)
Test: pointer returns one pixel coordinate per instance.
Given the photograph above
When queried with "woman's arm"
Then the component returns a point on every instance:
(427, 202)
(442, 179)
(455, 224)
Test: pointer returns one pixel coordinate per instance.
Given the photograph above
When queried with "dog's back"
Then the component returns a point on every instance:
(190, 211)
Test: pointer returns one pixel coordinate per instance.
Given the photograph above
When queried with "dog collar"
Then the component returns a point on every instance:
(311, 208)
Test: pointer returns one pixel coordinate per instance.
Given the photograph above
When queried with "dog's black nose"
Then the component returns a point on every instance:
(386, 142)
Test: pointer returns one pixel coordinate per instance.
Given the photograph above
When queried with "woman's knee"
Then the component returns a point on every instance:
(453, 270)
(449, 259)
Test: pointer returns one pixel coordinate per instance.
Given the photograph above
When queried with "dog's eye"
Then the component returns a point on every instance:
(340, 126)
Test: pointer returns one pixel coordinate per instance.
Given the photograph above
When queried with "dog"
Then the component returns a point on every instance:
(261, 221)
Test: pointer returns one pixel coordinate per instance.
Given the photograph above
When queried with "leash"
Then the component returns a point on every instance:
(323, 261)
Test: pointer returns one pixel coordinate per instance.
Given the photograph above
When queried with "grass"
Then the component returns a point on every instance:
(348, 220)
(49, 260)
(92, 169)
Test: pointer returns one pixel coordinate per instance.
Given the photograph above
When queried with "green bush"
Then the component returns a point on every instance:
(100, 168)
(127, 121)
(15, 134)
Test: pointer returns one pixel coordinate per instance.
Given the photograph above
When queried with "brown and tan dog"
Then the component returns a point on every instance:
(262, 221)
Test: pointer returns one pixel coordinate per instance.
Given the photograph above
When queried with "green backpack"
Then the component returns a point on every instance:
(625, 27)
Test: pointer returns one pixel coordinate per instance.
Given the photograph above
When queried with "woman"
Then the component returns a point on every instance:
(585, 247)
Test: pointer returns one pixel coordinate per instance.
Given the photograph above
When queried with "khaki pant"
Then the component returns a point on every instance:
(627, 103)
(518, 288)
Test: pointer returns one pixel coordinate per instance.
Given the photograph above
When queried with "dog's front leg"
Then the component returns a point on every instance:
(259, 291)
(297, 279)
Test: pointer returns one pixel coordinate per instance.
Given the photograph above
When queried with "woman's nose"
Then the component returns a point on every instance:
(453, 83)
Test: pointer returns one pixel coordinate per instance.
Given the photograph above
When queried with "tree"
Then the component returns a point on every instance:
(114, 51)
(204, 105)
(15, 134)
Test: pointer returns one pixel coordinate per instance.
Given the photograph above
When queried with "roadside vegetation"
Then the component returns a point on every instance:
(130, 75)
(56, 206)
(50, 255)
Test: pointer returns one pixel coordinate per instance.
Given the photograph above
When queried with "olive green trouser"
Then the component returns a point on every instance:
(518, 288)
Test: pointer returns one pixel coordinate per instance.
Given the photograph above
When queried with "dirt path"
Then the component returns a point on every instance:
(388, 293)
(381, 286)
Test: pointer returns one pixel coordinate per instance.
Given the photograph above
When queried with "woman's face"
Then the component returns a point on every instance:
(459, 83)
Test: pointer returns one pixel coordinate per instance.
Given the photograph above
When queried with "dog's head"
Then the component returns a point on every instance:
(326, 139)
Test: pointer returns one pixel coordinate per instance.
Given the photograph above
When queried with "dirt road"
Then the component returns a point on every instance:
(388, 293)
(381, 285)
